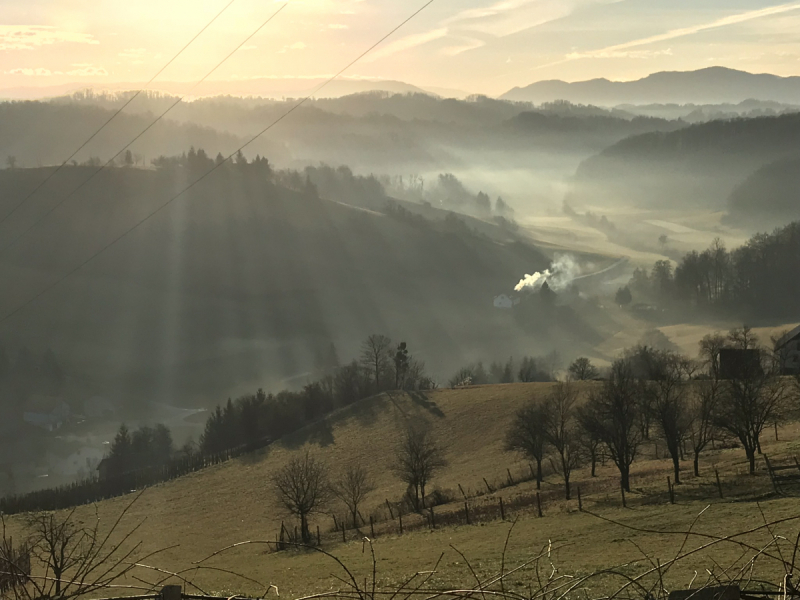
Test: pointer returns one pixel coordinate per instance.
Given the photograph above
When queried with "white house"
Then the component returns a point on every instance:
(787, 347)
(505, 301)
(46, 412)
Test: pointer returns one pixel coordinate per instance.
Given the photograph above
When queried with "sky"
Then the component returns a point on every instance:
(478, 46)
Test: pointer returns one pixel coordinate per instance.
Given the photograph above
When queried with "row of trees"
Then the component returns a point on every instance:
(303, 486)
(145, 447)
(756, 278)
(656, 393)
(530, 369)
(381, 366)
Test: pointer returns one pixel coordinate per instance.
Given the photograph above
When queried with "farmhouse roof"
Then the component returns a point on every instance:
(787, 337)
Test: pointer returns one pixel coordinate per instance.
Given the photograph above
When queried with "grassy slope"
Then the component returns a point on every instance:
(232, 502)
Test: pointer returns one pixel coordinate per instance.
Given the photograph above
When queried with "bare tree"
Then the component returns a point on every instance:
(743, 338)
(612, 416)
(562, 429)
(582, 369)
(587, 437)
(64, 559)
(702, 406)
(352, 488)
(755, 397)
(377, 357)
(667, 387)
(710, 347)
(528, 434)
(302, 487)
(417, 460)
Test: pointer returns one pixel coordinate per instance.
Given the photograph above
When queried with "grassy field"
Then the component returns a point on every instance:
(233, 502)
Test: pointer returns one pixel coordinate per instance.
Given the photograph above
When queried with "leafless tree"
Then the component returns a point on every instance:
(710, 347)
(417, 460)
(582, 369)
(562, 431)
(702, 406)
(376, 357)
(587, 437)
(743, 338)
(755, 397)
(667, 387)
(352, 488)
(64, 559)
(612, 416)
(528, 434)
(302, 487)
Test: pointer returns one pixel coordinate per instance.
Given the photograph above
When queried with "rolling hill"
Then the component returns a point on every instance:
(696, 166)
(242, 281)
(233, 502)
(713, 85)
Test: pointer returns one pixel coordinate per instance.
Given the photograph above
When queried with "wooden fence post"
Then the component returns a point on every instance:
(488, 487)
(580, 502)
(539, 504)
(371, 527)
(466, 512)
(671, 490)
(510, 478)
(344, 533)
(319, 538)
(400, 517)
(433, 518)
(622, 489)
(502, 510)
(335, 523)
(462, 491)
(719, 483)
(389, 506)
(772, 475)
(776, 431)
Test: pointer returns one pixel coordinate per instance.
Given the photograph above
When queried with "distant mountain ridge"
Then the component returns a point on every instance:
(713, 85)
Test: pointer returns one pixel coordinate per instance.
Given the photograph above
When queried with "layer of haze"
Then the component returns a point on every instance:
(454, 47)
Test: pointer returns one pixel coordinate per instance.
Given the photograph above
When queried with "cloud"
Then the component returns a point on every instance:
(132, 53)
(469, 44)
(28, 37)
(82, 70)
(406, 43)
(295, 46)
(337, 26)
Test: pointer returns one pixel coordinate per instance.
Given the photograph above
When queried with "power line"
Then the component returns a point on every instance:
(55, 207)
(213, 169)
(115, 115)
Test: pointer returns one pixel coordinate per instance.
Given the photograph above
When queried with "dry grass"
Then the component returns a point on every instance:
(231, 503)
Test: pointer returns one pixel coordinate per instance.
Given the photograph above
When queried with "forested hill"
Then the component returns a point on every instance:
(768, 197)
(697, 165)
(243, 280)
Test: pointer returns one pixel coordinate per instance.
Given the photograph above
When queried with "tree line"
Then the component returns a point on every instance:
(529, 369)
(652, 394)
(758, 279)
(381, 366)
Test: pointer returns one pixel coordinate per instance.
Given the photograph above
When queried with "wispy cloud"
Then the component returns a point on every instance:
(406, 43)
(28, 37)
(81, 70)
(290, 47)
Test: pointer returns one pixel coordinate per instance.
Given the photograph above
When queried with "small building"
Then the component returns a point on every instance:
(506, 302)
(787, 349)
(47, 412)
(735, 363)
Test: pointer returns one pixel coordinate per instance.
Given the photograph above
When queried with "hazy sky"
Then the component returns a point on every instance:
(485, 46)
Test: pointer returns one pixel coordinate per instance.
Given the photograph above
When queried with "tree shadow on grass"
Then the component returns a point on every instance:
(421, 400)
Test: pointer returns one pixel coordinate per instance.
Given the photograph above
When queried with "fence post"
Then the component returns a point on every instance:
(344, 533)
(488, 487)
(462, 491)
(776, 431)
(539, 504)
(502, 510)
(400, 517)
(772, 475)
(466, 511)
(622, 489)
(371, 528)
(671, 491)
(433, 518)
(335, 523)
(580, 502)
(389, 506)
(510, 478)
(719, 483)
(533, 474)
(319, 538)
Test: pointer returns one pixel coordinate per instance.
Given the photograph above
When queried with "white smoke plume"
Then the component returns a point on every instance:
(563, 270)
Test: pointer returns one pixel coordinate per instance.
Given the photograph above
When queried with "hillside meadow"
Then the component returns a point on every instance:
(199, 514)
